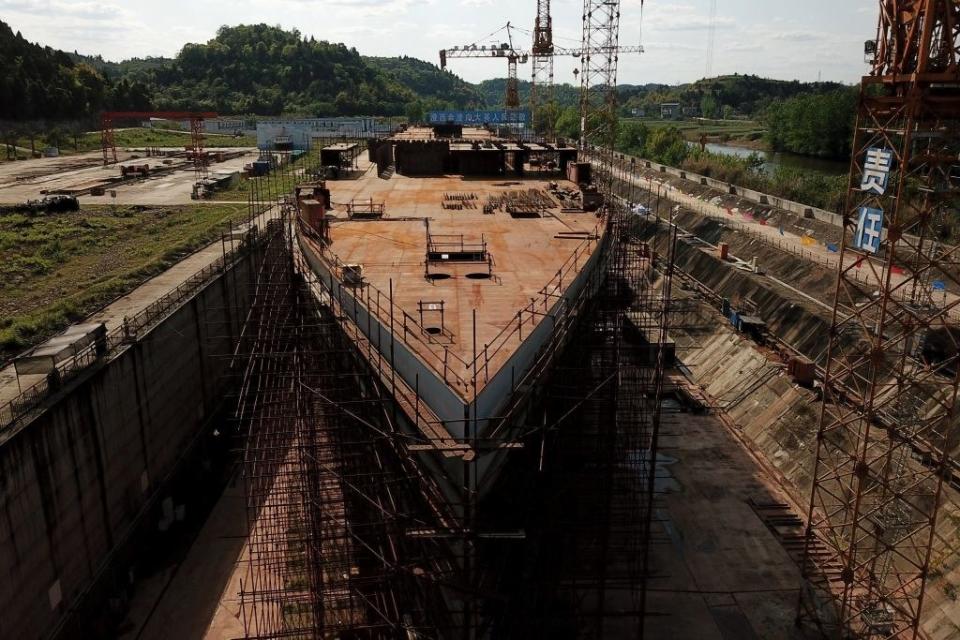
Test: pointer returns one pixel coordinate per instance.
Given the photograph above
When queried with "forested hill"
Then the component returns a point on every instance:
(247, 69)
(745, 95)
(431, 85)
(265, 70)
(43, 83)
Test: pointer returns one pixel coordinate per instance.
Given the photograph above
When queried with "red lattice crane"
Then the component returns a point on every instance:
(888, 428)
(196, 118)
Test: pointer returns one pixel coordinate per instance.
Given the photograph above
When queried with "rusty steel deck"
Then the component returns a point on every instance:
(464, 318)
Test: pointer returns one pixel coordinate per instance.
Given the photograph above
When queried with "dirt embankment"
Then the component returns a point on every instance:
(798, 314)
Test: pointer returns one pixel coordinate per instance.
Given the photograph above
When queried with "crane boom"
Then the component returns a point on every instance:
(503, 50)
(542, 53)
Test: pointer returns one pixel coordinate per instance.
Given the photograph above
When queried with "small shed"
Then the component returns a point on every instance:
(670, 110)
(44, 359)
(341, 154)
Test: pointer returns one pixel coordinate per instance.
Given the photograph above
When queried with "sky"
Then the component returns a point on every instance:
(782, 39)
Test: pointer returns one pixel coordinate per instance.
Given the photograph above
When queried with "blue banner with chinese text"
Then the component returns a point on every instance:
(479, 117)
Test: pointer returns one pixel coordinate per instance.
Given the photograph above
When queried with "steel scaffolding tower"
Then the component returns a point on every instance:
(598, 73)
(350, 531)
(542, 91)
(328, 498)
(591, 462)
(888, 422)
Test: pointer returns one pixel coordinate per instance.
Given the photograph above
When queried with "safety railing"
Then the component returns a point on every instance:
(405, 327)
(528, 317)
(445, 362)
(863, 270)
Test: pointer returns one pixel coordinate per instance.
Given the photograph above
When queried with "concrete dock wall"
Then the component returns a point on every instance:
(778, 420)
(91, 473)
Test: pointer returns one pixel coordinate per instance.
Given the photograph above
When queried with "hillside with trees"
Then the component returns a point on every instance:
(723, 96)
(266, 70)
(434, 88)
(494, 91)
(246, 69)
(42, 83)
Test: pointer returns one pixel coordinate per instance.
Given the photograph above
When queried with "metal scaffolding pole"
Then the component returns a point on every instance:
(891, 381)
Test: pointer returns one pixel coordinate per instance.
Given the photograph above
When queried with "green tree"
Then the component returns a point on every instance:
(54, 136)
(668, 146)
(76, 130)
(813, 124)
(568, 124)
(10, 133)
(415, 111)
(546, 118)
(709, 107)
(632, 137)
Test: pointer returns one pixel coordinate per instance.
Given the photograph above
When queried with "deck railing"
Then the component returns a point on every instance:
(451, 367)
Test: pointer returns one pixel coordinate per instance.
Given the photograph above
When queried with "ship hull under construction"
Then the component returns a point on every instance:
(463, 406)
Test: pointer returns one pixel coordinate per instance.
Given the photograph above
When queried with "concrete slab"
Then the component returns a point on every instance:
(197, 598)
(719, 572)
(22, 181)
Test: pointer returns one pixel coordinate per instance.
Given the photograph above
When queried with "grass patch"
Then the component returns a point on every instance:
(725, 130)
(950, 590)
(136, 137)
(58, 268)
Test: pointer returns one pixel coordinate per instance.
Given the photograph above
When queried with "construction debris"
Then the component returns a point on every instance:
(459, 201)
(522, 204)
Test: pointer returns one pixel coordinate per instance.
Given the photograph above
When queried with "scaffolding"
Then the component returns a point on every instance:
(598, 74)
(592, 461)
(325, 501)
(354, 530)
(888, 421)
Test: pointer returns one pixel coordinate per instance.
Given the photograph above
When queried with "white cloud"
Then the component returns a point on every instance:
(682, 17)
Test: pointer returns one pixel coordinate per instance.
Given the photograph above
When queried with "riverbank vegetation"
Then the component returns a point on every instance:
(818, 125)
(741, 133)
(668, 145)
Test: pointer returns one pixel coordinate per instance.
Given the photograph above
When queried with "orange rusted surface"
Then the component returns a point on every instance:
(530, 256)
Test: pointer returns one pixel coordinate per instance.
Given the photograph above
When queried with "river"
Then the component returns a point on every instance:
(772, 160)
